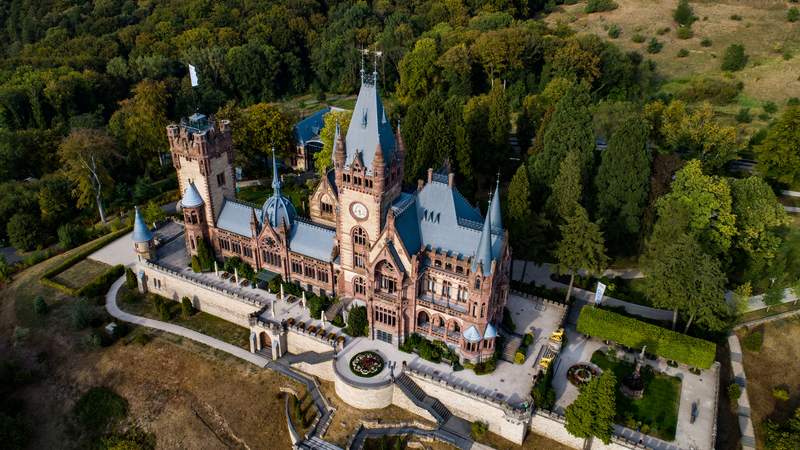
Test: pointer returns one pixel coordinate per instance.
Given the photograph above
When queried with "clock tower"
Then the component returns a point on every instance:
(368, 166)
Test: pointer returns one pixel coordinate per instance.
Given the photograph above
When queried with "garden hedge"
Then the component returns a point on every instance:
(633, 333)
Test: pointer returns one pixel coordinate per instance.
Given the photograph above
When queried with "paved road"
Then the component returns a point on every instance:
(113, 309)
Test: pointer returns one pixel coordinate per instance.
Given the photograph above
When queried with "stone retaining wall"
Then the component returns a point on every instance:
(209, 299)
(399, 398)
(299, 341)
(365, 398)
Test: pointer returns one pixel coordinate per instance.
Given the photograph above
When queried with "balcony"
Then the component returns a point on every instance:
(385, 296)
(442, 304)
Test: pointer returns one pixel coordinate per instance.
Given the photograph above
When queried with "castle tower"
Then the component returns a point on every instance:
(143, 242)
(368, 169)
(202, 153)
(194, 215)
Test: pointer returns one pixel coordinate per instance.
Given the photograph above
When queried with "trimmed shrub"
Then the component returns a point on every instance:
(684, 33)
(519, 356)
(654, 46)
(130, 279)
(527, 340)
(683, 53)
(187, 309)
(734, 391)
(753, 341)
(593, 6)
(607, 325)
(734, 58)
(39, 305)
(614, 31)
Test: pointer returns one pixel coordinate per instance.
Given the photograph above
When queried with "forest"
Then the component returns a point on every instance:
(608, 169)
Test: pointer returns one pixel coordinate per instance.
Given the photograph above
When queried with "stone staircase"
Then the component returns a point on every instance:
(265, 352)
(512, 343)
(423, 400)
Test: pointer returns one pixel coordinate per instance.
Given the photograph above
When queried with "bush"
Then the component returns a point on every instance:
(719, 91)
(706, 42)
(527, 340)
(654, 46)
(478, 430)
(317, 304)
(338, 321)
(734, 58)
(196, 264)
(519, 356)
(780, 394)
(753, 341)
(187, 309)
(773, 296)
(637, 38)
(770, 107)
(130, 279)
(736, 17)
(614, 31)
(81, 314)
(70, 235)
(99, 408)
(683, 53)
(662, 31)
(93, 340)
(607, 325)
(593, 6)
(683, 13)
(39, 305)
(793, 14)
(734, 391)
(743, 116)
(684, 33)
(23, 231)
(204, 255)
(357, 323)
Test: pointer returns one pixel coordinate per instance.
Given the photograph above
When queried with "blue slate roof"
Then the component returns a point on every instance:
(491, 332)
(472, 334)
(235, 217)
(312, 240)
(140, 231)
(369, 126)
(309, 128)
(277, 209)
(438, 216)
(497, 217)
(483, 254)
(191, 198)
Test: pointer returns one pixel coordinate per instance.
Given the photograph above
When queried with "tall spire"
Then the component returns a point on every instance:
(276, 181)
(494, 210)
(483, 255)
(140, 231)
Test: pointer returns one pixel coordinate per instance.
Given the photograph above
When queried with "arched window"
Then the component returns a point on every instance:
(359, 236)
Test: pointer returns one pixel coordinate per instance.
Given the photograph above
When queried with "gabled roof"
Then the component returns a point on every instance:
(312, 240)
(235, 217)
(369, 126)
(438, 216)
(191, 197)
(309, 128)
(140, 231)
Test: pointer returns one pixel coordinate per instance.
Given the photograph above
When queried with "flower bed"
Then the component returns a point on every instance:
(580, 374)
(366, 364)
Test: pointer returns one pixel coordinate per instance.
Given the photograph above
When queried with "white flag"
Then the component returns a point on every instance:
(598, 294)
(193, 75)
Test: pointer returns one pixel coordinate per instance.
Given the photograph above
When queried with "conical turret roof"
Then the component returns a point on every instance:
(483, 255)
(140, 231)
(191, 197)
(494, 211)
(277, 209)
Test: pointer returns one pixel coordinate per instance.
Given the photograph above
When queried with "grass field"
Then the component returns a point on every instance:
(774, 365)
(82, 273)
(764, 31)
(199, 321)
(658, 408)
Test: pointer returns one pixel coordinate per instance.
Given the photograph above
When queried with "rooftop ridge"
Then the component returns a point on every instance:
(243, 203)
(474, 208)
(314, 224)
(440, 177)
(403, 205)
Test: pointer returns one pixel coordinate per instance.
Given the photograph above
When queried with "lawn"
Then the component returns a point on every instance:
(82, 273)
(199, 321)
(772, 366)
(658, 409)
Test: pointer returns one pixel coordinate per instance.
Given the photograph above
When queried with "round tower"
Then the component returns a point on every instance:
(194, 215)
(143, 242)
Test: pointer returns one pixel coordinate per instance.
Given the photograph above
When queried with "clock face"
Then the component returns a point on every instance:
(359, 211)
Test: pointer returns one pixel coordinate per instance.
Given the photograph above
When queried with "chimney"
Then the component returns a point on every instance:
(430, 174)
(451, 179)
(420, 184)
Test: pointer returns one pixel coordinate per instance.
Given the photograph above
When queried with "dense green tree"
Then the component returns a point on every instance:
(23, 231)
(785, 436)
(418, 71)
(707, 200)
(592, 413)
(499, 120)
(357, 323)
(139, 123)
(256, 130)
(734, 58)
(779, 154)
(759, 216)
(683, 14)
(581, 247)
(622, 181)
(323, 159)
(696, 134)
(567, 188)
(55, 200)
(86, 156)
(570, 128)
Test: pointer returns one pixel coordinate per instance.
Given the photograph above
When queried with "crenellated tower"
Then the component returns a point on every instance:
(202, 153)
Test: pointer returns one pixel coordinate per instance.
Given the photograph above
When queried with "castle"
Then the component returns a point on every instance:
(423, 262)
